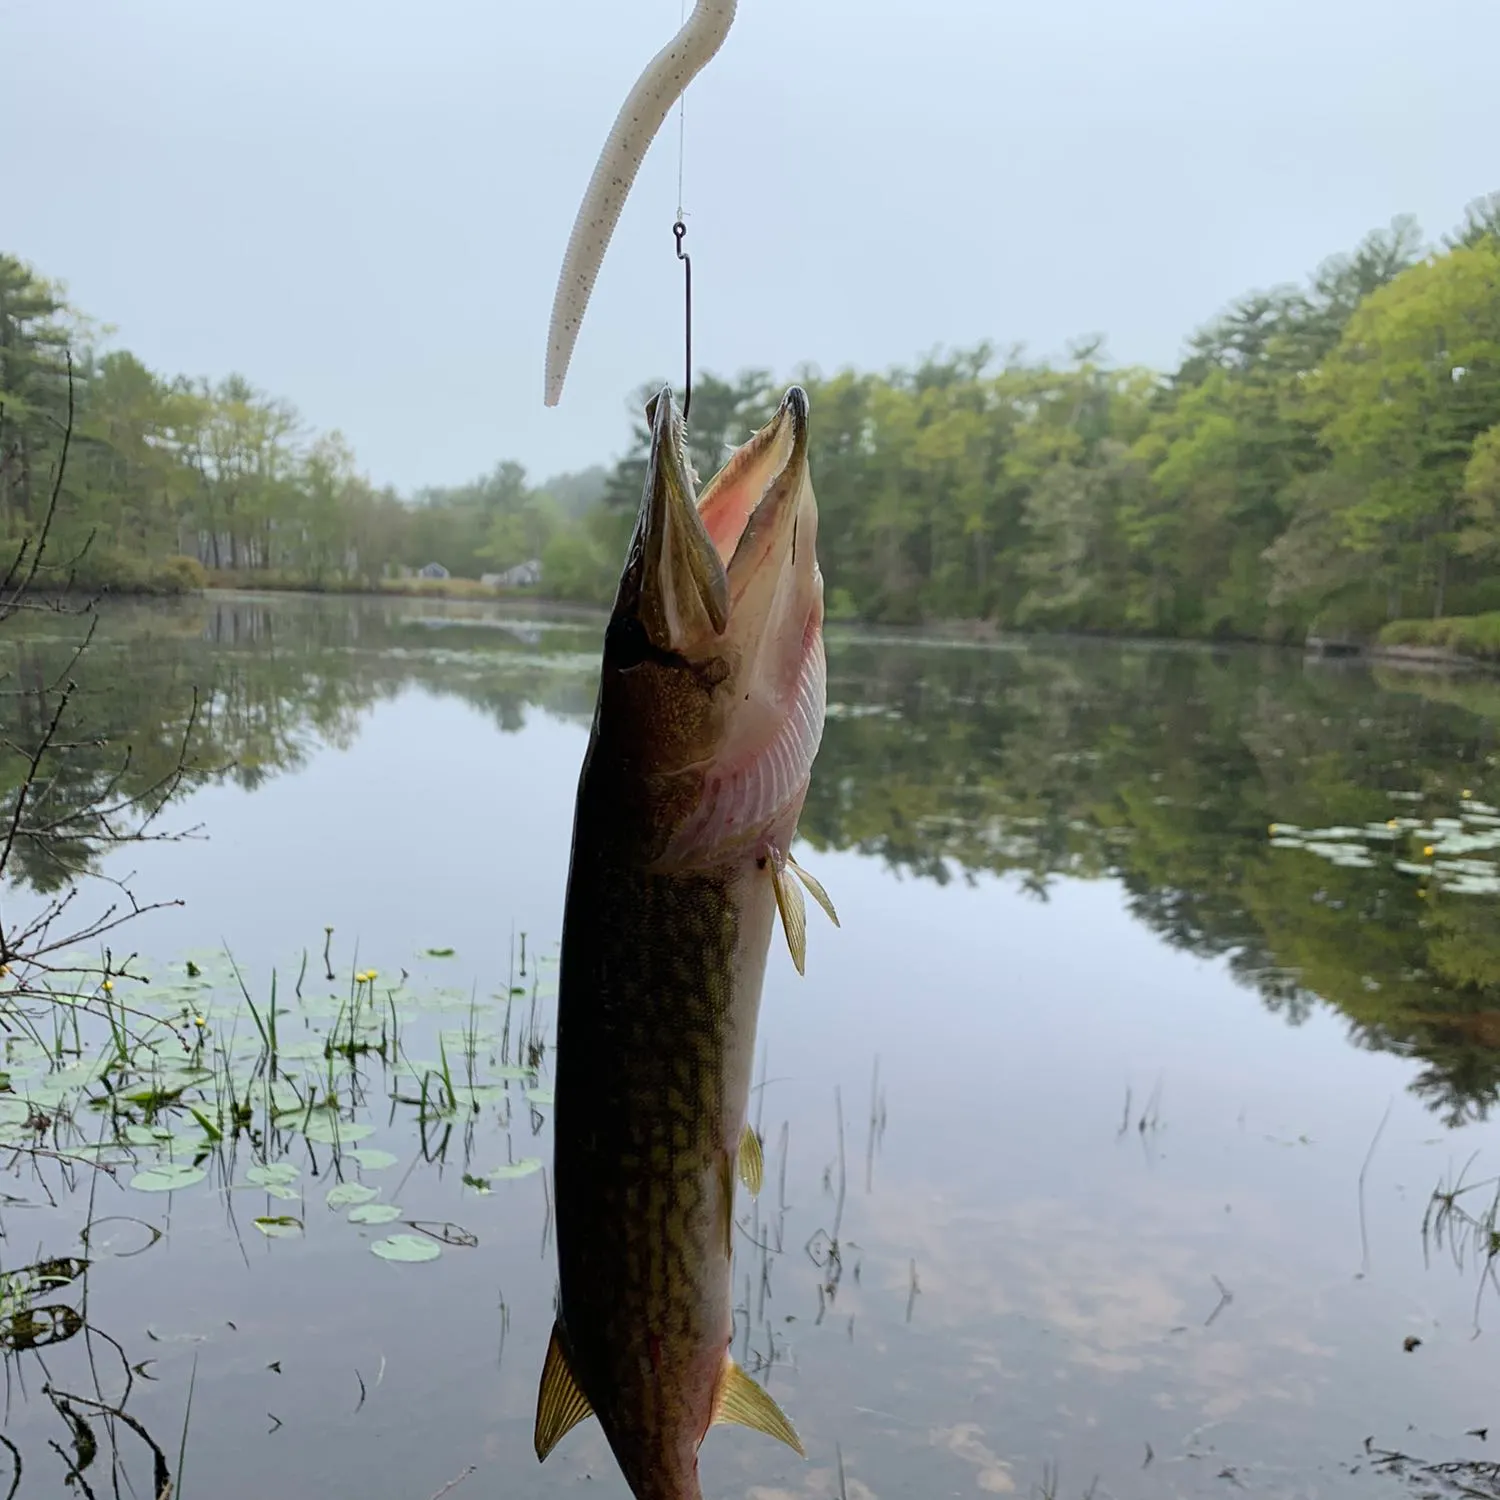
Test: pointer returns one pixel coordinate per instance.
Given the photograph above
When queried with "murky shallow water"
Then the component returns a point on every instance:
(1089, 1087)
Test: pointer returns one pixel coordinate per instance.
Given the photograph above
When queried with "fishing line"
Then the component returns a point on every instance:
(679, 230)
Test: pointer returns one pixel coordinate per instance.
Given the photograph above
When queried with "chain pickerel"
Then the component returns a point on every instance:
(711, 704)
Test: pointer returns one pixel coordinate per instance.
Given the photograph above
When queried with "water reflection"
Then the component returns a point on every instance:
(962, 1271)
(1160, 768)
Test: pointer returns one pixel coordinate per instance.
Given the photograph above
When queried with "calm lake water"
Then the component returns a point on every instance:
(1102, 1139)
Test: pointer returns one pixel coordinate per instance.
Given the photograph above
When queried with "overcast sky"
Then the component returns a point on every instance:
(362, 205)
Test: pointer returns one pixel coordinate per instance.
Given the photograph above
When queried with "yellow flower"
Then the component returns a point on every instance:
(1466, 793)
(1390, 822)
(371, 975)
(1427, 850)
(109, 984)
(199, 1021)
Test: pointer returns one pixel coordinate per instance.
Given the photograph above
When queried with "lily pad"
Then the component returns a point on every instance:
(373, 1158)
(406, 1247)
(539, 1095)
(279, 1173)
(167, 1177)
(279, 1226)
(347, 1193)
(523, 1168)
(374, 1213)
(327, 1129)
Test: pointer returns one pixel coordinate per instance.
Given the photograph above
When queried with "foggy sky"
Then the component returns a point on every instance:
(363, 206)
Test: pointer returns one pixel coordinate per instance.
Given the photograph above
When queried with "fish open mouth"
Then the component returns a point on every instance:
(693, 559)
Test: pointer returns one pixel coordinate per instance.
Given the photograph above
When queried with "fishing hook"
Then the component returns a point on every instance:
(679, 229)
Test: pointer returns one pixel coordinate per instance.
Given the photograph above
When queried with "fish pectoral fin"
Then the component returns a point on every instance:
(560, 1402)
(815, 886)
(752, 1161)
(793, 910)
(747, 1404)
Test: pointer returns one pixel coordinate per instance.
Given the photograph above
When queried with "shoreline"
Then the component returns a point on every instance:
(976, 632)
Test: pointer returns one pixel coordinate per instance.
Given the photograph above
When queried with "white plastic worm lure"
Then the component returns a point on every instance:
(666, 78)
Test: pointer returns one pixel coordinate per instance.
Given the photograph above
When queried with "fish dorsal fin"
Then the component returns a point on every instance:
(747, 1404)
(752, 1161)
(560, 1403)
(815, 886)
(793, 909)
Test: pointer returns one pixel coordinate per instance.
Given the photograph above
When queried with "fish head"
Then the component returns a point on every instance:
(713, 659)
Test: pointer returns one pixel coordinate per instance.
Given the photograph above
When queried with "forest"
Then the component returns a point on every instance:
(1324, 460)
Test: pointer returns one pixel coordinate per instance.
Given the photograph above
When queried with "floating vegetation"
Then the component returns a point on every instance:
(192, 1080)
(349, 1193)
(407, 1247)
(375, 1213)
(1439, 851)
(168, 1177)
(279, 1226)
(180, 1078)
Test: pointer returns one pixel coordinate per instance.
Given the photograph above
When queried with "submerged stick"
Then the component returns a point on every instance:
(664, 81)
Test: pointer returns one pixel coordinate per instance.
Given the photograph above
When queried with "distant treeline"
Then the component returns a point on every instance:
(1326, 458)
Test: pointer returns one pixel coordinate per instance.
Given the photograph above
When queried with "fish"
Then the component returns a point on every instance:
(710, 710)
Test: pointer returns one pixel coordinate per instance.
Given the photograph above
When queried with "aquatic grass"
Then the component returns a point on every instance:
(209, 1084)
(1458, 1219)
(177, 1087)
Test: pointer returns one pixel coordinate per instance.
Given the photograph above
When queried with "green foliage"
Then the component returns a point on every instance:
(582, 562)
(1468, 635)
(1325, 458)
(171, 478)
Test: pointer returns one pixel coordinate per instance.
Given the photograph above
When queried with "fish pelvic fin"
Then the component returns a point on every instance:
(746, 1404)
(792, 907)
(752, 1161)
(560, 1402)
(815, 889)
